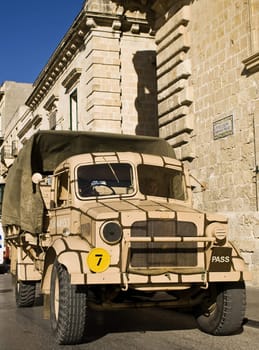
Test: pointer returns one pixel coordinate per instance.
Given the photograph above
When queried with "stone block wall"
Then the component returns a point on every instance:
(207, 109)
(221, 90)
(244, 231)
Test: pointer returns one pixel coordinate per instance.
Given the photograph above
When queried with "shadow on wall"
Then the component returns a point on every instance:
(146, 100)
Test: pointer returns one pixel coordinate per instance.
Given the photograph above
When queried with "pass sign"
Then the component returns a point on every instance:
(221, 259)
(98, 260)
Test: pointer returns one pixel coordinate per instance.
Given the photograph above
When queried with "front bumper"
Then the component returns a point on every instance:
(165, 281)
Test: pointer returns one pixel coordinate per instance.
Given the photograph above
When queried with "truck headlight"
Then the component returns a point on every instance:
(217, 230)
(111, 232)
(66, 232)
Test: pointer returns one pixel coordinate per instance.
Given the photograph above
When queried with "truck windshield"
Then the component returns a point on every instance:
(161, 182)
(105, 179)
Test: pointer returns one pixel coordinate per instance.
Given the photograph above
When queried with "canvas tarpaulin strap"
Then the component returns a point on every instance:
(23, 205)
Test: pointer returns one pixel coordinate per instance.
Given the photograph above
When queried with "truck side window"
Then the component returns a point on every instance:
(63, 189)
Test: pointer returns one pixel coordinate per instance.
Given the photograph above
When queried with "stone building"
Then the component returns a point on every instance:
(187, 70)
(12, 98)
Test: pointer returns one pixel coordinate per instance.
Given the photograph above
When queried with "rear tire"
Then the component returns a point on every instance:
(25, 293)
(68, 309)
(223, 311)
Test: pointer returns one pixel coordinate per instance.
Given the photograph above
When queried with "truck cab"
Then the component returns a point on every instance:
(136, 209)
(125, 204)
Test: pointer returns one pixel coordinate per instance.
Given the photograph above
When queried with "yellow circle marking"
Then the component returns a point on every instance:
(98, 260)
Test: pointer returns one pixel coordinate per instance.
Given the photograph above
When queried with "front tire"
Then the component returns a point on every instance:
(223, 311)
(68, 309)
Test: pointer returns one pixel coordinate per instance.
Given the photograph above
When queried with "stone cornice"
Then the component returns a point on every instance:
(74, 40)
(59, 60)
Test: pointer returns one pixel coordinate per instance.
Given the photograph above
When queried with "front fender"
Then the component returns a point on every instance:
(237, 259)
(69, 251)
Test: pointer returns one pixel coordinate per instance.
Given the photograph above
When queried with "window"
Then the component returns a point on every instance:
(51, 107)
(73, 111)
(53, 120)
(63, 189)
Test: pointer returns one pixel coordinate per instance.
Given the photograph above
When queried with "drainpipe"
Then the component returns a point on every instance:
(250, 26)
(256, 163)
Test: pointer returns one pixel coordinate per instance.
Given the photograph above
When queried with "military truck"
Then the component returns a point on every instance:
(105, 221)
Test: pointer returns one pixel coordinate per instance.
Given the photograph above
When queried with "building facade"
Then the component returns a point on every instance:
(155, 68)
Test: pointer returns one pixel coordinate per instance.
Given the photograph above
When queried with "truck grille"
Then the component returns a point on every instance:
(165, 254)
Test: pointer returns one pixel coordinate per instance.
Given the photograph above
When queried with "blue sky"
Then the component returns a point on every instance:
(30, 32)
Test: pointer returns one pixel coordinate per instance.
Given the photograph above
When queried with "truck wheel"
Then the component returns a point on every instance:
(25, 293)
(68, 309)
(223, 311)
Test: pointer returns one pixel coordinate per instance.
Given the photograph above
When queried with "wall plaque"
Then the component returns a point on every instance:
(223, 127)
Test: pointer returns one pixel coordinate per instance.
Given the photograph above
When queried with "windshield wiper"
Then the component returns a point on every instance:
(112, 170)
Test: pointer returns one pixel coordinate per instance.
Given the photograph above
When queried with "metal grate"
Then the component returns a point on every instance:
(165, 254)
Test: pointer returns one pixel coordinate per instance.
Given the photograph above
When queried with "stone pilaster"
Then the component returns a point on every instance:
(175, 94)
(120, 69)
(102, 79)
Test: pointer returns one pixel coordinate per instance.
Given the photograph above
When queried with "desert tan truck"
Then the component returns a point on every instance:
(106, 221)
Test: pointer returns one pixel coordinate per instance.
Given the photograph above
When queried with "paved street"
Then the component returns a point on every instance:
(150, 329)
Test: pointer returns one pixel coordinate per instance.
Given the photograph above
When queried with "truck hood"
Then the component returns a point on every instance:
(138, 208)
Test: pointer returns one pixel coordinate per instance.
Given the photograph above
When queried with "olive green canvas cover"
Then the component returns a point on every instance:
(23, 205)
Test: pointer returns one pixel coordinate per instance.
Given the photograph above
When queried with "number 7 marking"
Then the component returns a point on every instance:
(100, 256)
(98, 260)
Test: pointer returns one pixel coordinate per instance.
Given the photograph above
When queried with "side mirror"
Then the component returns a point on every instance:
(36, 178)
(203, 186)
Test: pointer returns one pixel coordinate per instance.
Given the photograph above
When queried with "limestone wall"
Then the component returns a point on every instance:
(208, 92)
(224, 93)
